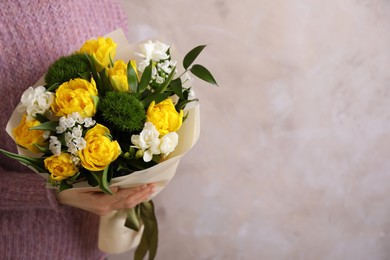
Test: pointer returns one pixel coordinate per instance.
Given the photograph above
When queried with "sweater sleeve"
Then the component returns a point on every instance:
(24, 190)
(33, 35)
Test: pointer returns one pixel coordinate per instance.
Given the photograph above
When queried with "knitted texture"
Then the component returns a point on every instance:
(32, 35)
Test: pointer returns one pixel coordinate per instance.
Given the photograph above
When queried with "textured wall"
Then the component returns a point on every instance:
(292, 162)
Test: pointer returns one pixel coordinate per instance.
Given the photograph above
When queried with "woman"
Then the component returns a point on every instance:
(38, 223)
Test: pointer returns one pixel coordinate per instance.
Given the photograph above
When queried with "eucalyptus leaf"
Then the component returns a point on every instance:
(192, 55)
(132, 78)
(203, 73)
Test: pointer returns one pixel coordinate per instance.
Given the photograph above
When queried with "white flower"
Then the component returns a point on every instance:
(142, 65)
(36, 100)
(33, 111)
(75, 160)
(65, 123)
(68, 138)
(159, 79)
(147, 141)
(147, 137)
(80, 143)
(75, 116)
(45, 99)
(168, 143)
(155, 51)
(88, 122)
(72, 148)
(55, 145)
(77, 132)
(46, 134)
(28, 97)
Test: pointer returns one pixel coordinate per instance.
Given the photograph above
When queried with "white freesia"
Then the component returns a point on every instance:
(32, 111)
(147, 138)
(155, 51)
(45, 99)
(35, 100)
(168, 143)
(28, 97)
(147, 141)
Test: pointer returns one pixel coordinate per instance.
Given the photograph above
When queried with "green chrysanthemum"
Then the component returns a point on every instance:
(124, 111)
(67, 68)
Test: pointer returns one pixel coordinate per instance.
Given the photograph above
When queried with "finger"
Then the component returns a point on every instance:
(133, 199)
(114, 189)
(124, 193)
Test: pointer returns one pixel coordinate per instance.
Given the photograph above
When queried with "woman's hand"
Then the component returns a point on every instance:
(100, 203)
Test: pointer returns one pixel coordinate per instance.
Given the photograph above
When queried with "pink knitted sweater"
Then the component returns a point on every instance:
(32, 35)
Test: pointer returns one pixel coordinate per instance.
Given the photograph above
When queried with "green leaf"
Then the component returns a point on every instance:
(42, 148)
(95, 101)
(41, 118)
(102, 178)
(64, 185)
(203, 73)
(149, 239)
(181, 105)
(166, 83)
(105, 82)
(47, 126)
(145, 78)
(36, 163)
(177, 87)
(132, 78)
(133, 219)
(156, 97)
(192, 55)
(95, 74)
(85, 75)
(53, 87)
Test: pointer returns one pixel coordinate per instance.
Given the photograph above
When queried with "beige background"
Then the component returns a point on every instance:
(292, 162)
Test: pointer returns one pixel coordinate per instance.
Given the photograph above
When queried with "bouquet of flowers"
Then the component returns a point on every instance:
(107, 115)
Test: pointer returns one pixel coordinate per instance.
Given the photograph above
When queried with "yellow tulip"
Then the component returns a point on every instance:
(60, 167)
(75, 95)
(164, 116)
(101, 50)
(100, 150)
(26, 137)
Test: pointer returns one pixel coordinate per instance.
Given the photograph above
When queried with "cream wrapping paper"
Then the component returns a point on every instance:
(114, 237)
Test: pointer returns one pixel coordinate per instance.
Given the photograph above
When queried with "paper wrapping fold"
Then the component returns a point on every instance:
(114, 237)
